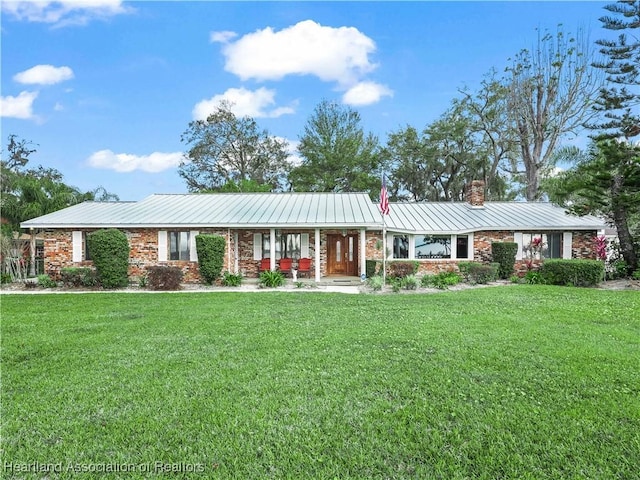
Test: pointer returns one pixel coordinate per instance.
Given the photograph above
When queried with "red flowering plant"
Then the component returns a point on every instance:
(533, 251)
(601, 247)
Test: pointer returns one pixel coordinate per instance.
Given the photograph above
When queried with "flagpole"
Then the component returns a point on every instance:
(384, 251)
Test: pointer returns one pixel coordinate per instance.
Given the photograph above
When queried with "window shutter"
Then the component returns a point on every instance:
(257, 246)
(162, 245)
(517, 237)
(193, 251)
(567, 239)
(470, 247)
(304, 245)
(76, 246)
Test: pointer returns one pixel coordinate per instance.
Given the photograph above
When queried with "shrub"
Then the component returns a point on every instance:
(464, 267)
(401, 268)
(371, 267)
(210, 250)
(514, 279)
(45, 281)
(579, 273)
(636, 275)
(426, 281)
(375, 283)
(410, 282)
(271, 279)
(5, 278)
(109, 250)
(164, 278)
(231, 279)
(396, 284)
(533, 277)
(482, 273)
(79, 277)
(504, 253)
(444, 280)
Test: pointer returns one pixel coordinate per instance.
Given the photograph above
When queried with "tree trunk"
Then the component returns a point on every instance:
(620, 219)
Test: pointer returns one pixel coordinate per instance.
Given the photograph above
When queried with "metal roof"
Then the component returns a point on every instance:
(310, 210)
(228, 210)
(458, 217)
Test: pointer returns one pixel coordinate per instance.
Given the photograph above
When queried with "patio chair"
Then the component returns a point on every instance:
(285, 266)
(304, 267)
(265, 264)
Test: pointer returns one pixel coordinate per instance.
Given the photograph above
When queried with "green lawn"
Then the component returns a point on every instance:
(514, 382)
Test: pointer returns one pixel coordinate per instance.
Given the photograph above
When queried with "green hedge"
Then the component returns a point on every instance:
(210, 250)
(479, 273)
(579, 273)
(504, 253)
(109, 249)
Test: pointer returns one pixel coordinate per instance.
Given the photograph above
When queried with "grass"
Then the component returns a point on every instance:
(527, 382)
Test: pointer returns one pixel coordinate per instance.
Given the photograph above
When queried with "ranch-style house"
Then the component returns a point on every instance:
(338, 232)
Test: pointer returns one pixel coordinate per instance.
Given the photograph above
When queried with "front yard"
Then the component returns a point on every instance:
(505, 382)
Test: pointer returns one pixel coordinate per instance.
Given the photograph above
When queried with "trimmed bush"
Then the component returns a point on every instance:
(109, 249)
(504, 253)
(78, 277)
(371, 267)
(210, 250)
(164, 278)
(578, 273)
(402, 268)
(481, 273)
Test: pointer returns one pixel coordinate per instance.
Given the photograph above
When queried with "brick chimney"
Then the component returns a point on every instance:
(474, 194)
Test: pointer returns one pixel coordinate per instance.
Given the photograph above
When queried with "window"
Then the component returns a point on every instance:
(179, 246)
(87, 255)
(288, 245)
(435, 246)
(538, 246)
(462, 246)
(400, 246)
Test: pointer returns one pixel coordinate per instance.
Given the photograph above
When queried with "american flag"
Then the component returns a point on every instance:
(384, 197)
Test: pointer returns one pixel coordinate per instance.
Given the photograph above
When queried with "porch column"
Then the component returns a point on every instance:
(363, 252)
(236, 267)
(272, 248)
(316, 253)
(32, 248)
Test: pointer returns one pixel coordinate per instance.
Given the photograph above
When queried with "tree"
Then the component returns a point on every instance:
(227, 149)
(31, 192)
(549, 92)
(437, 164)
(337, 155)
(489, 115)
(605, 181)
(617, 101)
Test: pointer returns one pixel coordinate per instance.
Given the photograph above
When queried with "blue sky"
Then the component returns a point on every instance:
(106, 88)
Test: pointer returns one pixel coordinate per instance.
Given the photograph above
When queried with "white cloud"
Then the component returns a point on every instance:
(44, 75)
(332, 54)
(58, 107)
(243, 102)
(292, 150)
(366, 93)
(18, 107)
(124, 162)
(222, 37)
(63, 12)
